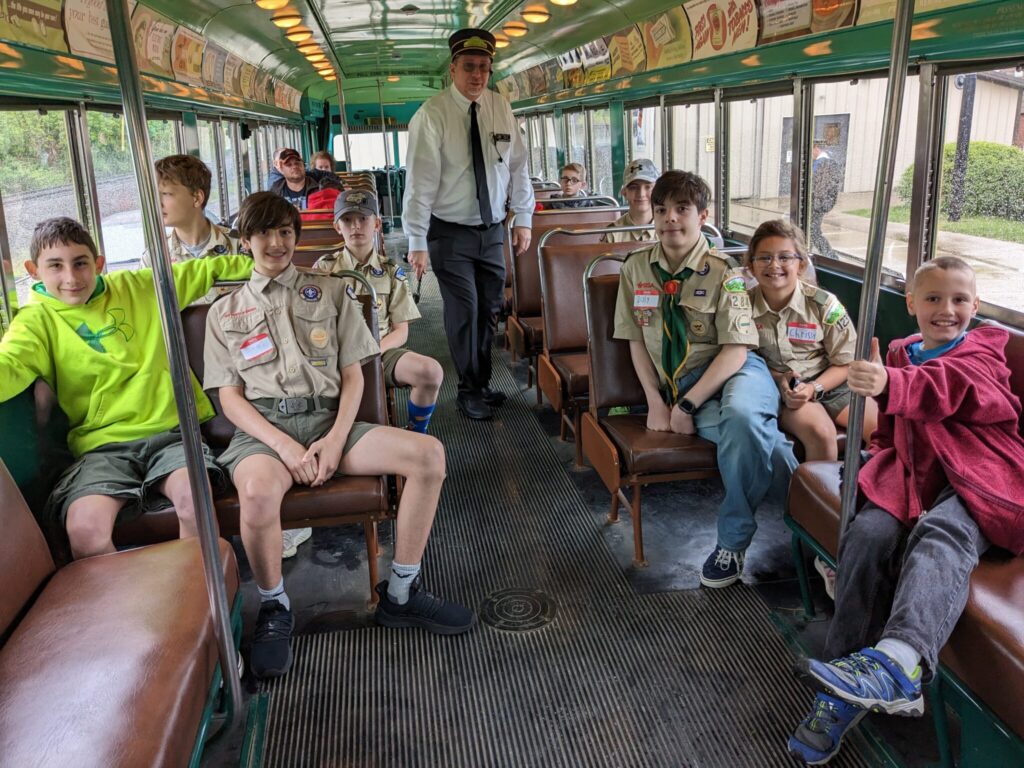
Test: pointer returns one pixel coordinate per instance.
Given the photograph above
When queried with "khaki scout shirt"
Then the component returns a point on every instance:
(714, 300)
(394, 302)
(221, 242)
(811, 333)
(625, 220)
(287, 336)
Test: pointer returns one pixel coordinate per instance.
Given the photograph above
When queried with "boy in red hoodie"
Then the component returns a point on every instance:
(942, 484)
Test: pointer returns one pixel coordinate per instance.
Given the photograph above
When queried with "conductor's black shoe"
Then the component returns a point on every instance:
(423, 610)
(493, 397)
(271, 652)
(473, 406)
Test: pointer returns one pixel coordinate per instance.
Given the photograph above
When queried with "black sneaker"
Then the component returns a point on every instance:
(472, 406)
(722, 568)
(493, 397)
(423, 610)
(271, 652)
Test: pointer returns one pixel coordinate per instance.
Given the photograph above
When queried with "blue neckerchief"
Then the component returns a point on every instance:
(919, 355)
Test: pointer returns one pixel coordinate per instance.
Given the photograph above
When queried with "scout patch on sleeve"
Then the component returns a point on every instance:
(735, 285)
(400, 273)
(351, 292)
(310, 292)
(835, 314)
(802, 333)
(257, 346)
(739, 300)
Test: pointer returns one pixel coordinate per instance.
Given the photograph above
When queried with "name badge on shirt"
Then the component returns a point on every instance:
(646, 299)
(802, 333)
(257, 346)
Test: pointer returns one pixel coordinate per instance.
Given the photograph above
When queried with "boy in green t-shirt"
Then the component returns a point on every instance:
(98, 342)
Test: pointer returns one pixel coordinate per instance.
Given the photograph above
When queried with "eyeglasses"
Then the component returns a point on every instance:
(570, 180)
(783, 257)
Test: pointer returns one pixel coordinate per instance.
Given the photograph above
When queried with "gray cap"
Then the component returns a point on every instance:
(355, 201)
(640, 169)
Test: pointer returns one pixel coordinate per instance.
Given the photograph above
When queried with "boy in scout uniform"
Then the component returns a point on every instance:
(573, 178)
(284, 353)
(684, 309)
(184, 183)
(637, 183)
(357, 220)
(807, 339)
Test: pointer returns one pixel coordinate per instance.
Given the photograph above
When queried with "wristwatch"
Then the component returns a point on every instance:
(819, 391)
(687, 406)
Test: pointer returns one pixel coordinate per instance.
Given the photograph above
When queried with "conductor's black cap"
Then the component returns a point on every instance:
(476, 41)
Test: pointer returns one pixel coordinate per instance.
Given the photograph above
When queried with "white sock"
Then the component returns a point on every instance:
(402, 577)
(901, 653)
(275, 593)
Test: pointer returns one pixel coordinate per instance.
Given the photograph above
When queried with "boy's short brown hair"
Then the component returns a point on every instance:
(578, 167)
(777, 228)
(59, 231)
(323, 154)
(947, 264)
(266, 210)
(189, 171)
(681, 187)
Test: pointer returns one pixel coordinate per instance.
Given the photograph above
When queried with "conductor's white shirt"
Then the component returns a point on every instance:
(439, 164)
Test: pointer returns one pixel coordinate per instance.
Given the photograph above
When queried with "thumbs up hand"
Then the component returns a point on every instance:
(868, 378)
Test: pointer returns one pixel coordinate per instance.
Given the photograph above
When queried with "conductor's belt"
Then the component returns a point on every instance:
(293, 405)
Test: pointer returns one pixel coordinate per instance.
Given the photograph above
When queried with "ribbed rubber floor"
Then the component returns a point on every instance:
(695, 678)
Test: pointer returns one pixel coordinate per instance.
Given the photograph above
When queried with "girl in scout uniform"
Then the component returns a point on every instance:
(284, 353)
(806, 337)
(357, 220)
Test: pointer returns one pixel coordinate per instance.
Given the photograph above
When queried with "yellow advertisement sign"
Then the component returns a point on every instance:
(153, 36)
(35, 22)
(626, 52)
(667, 39)
(187, 57)
(722, 26)
(883, 10)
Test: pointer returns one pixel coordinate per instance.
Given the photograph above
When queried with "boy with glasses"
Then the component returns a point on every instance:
(573, 179)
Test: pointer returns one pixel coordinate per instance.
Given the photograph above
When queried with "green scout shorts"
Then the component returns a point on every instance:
(305, 428)
(131, 470)
(388, 361)
(835, 400)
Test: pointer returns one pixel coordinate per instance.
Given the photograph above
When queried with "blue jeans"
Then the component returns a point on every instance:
(909, 584)
(754, 457)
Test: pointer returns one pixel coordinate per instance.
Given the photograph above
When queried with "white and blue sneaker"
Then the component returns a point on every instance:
(868, 679)
(722, 568)
(818, 738)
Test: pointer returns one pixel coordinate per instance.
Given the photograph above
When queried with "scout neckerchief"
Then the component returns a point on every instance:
(674, 346)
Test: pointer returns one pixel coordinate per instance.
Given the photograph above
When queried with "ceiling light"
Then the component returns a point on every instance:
(563, 2)
(500, 41)
(515, 29)
(322, 65)
(309, 48)
(535, 14)
(393, 78)
(286, 19)
(298, 34)
(271, 5)
(329, 76)
(313, 58)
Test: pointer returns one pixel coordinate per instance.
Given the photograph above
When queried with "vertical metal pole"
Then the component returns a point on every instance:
(387, 155)
(721, 161)
(236, 137)
(218, 164)
(876, 243)
(8, 285)
(958, 179)
(343, 118)
(802, 117)
(84, 174)
(663, 119)
(170, 318)
(924, 199)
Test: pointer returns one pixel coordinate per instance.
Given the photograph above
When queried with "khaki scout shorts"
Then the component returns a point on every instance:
(835, 400)
(388, 361)
(305, 428)
(131, 470)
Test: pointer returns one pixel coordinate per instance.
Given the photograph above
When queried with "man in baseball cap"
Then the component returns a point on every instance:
(637, 182)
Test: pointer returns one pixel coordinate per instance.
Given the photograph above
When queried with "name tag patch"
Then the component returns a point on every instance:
(802, 333)
(646, 299)
(257, 346)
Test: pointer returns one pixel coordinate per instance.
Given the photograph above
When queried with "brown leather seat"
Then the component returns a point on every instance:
(622, 451)
(986, 649)
(108, 661)
(341, 501)
(574, 370)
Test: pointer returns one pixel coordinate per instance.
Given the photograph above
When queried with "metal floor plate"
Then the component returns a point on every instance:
(617, 678)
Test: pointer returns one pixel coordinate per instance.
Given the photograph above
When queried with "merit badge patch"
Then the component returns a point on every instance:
(834, 315)
(734, 285)
(318, 337)
(351, 292)
(377, 272)
(310, 292)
